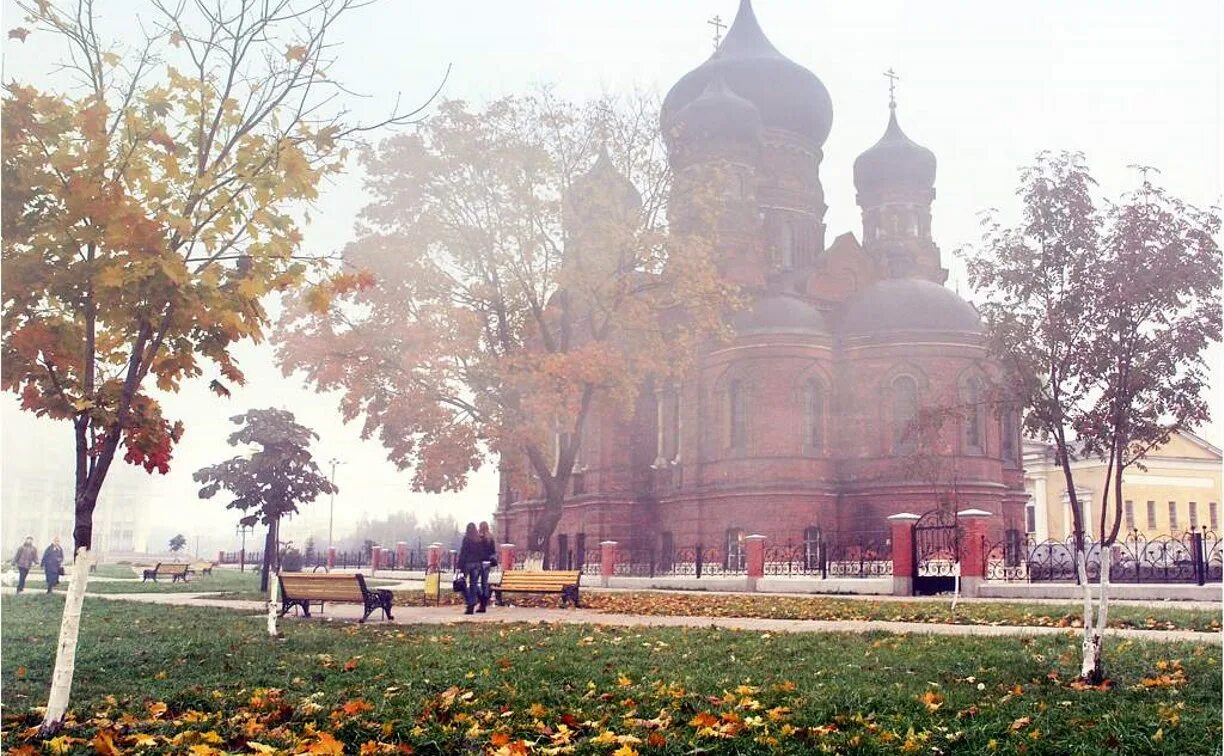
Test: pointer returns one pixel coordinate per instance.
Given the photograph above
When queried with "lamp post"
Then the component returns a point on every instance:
(331, 506)
(242, 530)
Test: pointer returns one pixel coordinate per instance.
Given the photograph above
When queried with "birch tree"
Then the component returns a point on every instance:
(148, 208)
(1101, 317)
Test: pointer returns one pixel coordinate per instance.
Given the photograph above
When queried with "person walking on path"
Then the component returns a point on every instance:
(473, 553)
(27, 557)
(53, 563)
(488, 561)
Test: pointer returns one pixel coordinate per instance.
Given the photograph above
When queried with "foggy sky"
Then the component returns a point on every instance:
(984, 85)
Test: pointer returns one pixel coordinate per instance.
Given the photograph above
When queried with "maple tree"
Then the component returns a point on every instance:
(149, 207)
(270, 482)
(1101, 317)
(177, 543)
(522, 277)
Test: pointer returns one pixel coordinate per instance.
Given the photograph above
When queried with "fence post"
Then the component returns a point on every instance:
(506, 557)
(754, 553)
(331, 557)
(401, 555)
(434, 558)
(973, 550)
(220, 557)
(902, 525)
(1200, 562)
(375, 558)
(697, 560)
(607, 561)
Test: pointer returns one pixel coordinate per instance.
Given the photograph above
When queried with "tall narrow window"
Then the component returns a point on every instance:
(814, 433)
(813, 544)
(1030, 517)
(1151, 515)
(973, 416)
(1194, 515)
(786, 245)
(672, 450)
(580, 550)
(1129, 512)
(904, 411)
(563, 555)
(1009, 446)
(1213, 515)
(667, 551)
(734, 561)
(1172, 517)
(737, 421)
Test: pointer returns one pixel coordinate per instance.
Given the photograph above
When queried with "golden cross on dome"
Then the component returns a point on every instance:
(718, 25)
(893, 78)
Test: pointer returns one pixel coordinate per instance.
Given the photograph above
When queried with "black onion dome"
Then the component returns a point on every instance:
(603, 188)
(906, 305)
(718, 113)
(780, 313)
(894, 162)
(787, 95)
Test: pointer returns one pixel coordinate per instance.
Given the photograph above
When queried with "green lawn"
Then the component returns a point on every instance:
(232, 583)
(175, 678)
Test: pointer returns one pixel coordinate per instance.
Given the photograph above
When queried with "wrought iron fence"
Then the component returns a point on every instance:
(857, 555)
(1192, 557)
(592, 561)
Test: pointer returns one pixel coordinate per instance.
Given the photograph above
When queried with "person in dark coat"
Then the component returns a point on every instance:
(27, 557)
(53, 563)
(488, 547)
(474, 560)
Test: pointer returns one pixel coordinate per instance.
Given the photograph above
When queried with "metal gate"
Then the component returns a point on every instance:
(936, 553)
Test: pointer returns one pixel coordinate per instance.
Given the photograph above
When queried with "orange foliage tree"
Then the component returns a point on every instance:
(147, 210)
(522, 273)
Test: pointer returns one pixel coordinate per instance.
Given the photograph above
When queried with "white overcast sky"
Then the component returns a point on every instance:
(986, 85)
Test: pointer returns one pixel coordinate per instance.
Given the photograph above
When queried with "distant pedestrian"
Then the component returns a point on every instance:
(489, 547)
(53, 563)
(27, 557)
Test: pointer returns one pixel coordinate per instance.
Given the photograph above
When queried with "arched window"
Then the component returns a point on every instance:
(813, 549)
(904, 412)
(1009, 432)
(734, 561)
(737, 435)
(973, 416)
(786, 245)
(814, 420)
(563, 554)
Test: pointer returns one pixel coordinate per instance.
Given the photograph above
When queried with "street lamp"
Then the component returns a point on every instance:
(331, 506)
(243, 530)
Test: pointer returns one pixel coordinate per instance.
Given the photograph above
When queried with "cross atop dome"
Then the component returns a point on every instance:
(893, 78)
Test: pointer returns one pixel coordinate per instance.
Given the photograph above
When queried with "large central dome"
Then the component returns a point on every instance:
(788, 96)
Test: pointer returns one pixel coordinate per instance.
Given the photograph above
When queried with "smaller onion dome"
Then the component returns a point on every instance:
(602, 190)
(894, 162)
(780, 313)
(908, 305)
(717, 115)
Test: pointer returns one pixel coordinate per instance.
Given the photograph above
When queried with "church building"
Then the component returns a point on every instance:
(807, 421)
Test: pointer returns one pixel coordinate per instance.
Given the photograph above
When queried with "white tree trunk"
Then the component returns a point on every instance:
(1088, 652)
(273, 596)
(65, 653)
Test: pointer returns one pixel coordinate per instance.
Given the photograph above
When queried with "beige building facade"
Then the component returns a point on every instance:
(1179, 490)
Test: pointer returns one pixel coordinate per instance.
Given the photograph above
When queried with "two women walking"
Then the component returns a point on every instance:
(52, 562)
(477, 555)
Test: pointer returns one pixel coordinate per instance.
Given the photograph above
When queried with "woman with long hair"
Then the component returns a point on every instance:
(471, 554)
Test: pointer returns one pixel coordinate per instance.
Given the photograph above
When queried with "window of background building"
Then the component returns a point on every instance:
(973, 416)
(735, 402)
(1151, 515)
(667, 550)
(812, 545)
(1009, 437)
(1129, 510)
(563, 555)
(1194, 515)
(580, 550)
(1213, 516)
(1172, 516)
(1030, 517)
(735, 550)
(905, 409)
(815, 417)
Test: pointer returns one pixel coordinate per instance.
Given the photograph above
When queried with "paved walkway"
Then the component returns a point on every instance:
(444, 615)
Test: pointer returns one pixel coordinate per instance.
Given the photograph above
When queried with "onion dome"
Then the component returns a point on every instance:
(787, 95)
(717, 115)
(603, 190)
(780, 313)
(909, 305)
(895, 162)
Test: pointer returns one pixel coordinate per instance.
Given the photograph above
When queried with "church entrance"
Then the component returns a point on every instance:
(936, 553)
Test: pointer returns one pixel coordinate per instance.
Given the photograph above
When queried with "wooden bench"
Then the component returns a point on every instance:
(174, 571)
(202, 568)
(302, 589)
(564, 582)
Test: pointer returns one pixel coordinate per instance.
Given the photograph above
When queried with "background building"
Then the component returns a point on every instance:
(1179, 490)
(805, 422)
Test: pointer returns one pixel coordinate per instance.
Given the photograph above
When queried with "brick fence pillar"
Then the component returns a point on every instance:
(754, 557)
(972, 549)
(902, 527)
(607, 561)
(401, 555)
(331, 557)
(220, 557)
(375, 557)
(505, 556)
(433, 558)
